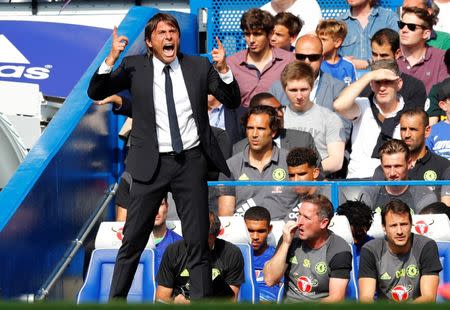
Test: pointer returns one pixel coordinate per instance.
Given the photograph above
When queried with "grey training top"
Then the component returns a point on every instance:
(309, 270)
(398, 276)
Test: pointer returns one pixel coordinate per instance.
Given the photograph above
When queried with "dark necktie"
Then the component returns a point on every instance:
(177, 143)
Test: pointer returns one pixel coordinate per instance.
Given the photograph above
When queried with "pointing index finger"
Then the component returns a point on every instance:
(219, 44)
(114, 34)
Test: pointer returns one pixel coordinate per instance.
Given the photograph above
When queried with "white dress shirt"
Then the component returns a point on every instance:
(186, 123)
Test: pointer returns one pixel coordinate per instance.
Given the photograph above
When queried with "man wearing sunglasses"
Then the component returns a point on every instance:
(325, 89)
(417, 58)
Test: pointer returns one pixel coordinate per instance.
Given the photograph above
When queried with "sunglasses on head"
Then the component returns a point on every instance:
(311, 57)
(411, 26)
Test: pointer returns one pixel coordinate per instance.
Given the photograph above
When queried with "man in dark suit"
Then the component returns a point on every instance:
(172, 145)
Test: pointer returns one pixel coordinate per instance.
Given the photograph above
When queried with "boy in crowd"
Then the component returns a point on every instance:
(332, 34)
(439, 139)
(287, 26)
(257, 220)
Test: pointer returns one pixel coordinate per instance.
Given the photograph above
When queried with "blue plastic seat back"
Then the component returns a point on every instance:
(249, 290)
(98, 279)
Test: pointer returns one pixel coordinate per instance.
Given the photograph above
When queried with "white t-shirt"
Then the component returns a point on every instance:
(307, 10)
(443, 23)
(323, 124)
(364, 138)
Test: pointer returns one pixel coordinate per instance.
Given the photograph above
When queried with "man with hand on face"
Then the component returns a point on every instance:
(172, 144)
(315, 262)
(401, 266)
(257, 220)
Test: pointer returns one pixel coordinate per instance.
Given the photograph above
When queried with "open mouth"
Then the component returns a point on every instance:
(169, 50)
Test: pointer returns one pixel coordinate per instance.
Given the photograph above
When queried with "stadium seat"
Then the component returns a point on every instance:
(109, 236)
(340, 226)
(444, 255)
(249, 290)
(277, 232)
(98, 279)
(233, 229)
(280, 294)
(434, 226)
(376, 230)
(175, 225)
(352, 286)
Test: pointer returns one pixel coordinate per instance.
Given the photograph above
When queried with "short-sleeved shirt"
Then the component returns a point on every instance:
(309, 270)
(277, 199)
(439, 139)
(266, 293)
(430, 69)
(161, 246)
(343, 70)
(251, 81)
(416, 197)
(364, 138)
(357, 41)
(324, 125)
(398, 276)
(227, 266)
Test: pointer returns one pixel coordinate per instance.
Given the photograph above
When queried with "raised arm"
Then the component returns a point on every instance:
(275, 268)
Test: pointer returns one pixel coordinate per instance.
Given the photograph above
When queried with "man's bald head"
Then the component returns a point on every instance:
(309, 44)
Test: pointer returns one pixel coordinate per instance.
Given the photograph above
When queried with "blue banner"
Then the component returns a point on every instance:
(53, 55)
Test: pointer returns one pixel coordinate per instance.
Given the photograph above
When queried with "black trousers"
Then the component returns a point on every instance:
(185, 175)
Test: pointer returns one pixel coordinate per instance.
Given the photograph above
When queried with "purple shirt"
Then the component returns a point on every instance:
(430, 70)
(251, 81)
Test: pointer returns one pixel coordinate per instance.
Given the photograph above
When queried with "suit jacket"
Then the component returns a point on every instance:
(329, 90)
(289, 138)
(135, 73)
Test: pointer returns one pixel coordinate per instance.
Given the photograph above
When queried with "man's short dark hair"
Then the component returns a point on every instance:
(359, 215)
(422, 14)
(257, 213)
(214, 224)
(387, 36)
(437, 207)
(417, 111)
(256, 99)
(302, 155)
(153, 23)
(395, 206)
(290, 21)
(324, 205)
(256, 19)
(274, 122)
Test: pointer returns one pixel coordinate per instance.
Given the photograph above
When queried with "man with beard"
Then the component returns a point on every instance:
(401, 266)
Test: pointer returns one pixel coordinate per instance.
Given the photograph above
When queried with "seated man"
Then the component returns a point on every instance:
(315, 262)
(425, 165)
(360, 217)
(401, 266)
(302, 166)
(395, 162)
(326, 127)
(375, 119)
(385, 44)
(226, 262)
(287, 138)
(261, 160)
(257, 220)
(259, 66)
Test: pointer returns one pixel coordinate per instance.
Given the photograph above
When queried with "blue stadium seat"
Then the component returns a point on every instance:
(444, 255)
(98, 279)
(280, 294)
(249, 290)
(352, 286)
